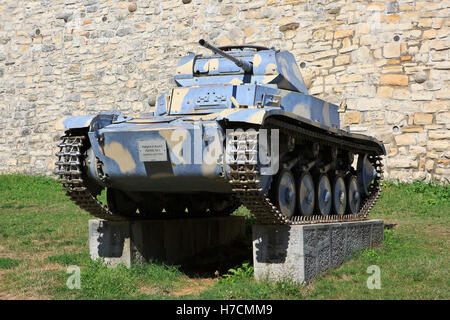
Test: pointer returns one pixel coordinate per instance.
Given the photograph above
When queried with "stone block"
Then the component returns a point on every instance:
(406, 139)
(429, 164)
(436, 106)
(438, 145)
(443, 117)
(423, 118)
(444, 94)
(352, 117)
(439, 134)
(301, 252)
(350, 78)
(170, 240)
(110, 240)
(384, 92)
(289, 26)
(342, 59)
(429, 34)
(391, 50)
(412, 129)
(403, 162)
(342, 33)
(394, 80)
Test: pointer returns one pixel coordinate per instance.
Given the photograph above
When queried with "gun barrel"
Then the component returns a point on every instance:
(245, 65)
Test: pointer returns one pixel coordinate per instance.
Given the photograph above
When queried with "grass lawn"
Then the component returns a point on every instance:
(42, 233)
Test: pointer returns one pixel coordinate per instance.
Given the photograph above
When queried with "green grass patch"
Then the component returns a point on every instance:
(236, 275)
(46, 233)
(98, 281)
(67, 259)
(8, 263)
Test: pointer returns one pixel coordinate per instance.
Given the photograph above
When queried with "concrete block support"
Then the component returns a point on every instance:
(170, 241)
(301, 252)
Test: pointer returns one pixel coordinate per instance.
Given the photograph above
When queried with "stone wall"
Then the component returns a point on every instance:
(389, 59)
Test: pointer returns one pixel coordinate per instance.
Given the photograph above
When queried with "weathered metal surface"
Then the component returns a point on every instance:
(179, 153)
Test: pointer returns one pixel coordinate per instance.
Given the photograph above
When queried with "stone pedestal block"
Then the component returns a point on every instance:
(301, 252)
(170, 241)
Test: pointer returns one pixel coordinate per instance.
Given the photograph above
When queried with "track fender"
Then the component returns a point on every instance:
(97, 121)
(252, 115)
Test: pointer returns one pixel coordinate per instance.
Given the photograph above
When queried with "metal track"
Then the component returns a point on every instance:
(242, 153)
(74, 181)
(69, 169)
(242, 150)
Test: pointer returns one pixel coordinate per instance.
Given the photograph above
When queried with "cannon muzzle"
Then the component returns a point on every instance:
(245, 65)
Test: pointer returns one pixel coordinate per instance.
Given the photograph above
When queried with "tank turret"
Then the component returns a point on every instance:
(240, 65)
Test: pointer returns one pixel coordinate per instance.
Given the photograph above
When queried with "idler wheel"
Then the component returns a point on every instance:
(354, 197)
(324, 195)
(306, 194)
(339, 196)
(285, 193)
(119, 203)
(366, 173)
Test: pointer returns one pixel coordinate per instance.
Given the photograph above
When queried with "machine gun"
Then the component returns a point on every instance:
(245, 65)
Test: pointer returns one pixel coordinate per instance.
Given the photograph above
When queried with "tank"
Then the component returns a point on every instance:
(239, 128)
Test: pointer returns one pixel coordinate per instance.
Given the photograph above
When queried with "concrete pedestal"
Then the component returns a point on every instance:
(301, 252)
(170, 241)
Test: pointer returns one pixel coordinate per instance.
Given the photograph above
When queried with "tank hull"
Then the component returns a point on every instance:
(159, 157)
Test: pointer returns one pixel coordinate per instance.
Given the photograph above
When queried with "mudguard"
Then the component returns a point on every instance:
(258, 117)
(93, 122)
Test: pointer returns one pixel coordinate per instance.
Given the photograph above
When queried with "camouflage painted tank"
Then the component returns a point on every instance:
(239, 128)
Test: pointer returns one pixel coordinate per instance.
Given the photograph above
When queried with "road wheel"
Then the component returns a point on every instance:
(339, 196)
(354, 197)
(306, 194)
(285, 194)
(366, 174)
(324, 195)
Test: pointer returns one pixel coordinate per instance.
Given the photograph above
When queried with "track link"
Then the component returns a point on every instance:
(69, 169)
